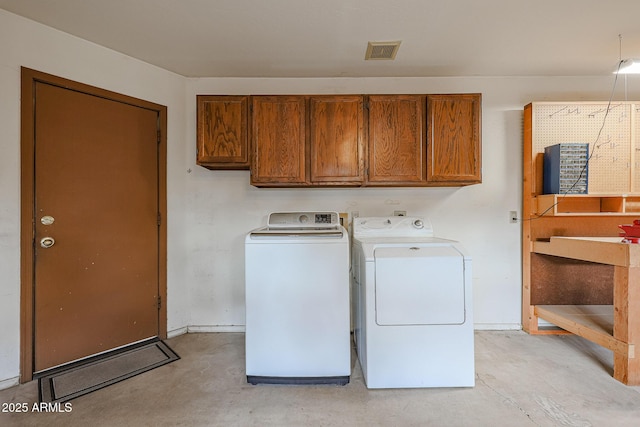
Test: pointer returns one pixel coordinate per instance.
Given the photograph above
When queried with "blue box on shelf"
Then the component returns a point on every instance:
(566, 167)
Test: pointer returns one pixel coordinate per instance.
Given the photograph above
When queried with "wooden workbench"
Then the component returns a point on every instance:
(616, 326)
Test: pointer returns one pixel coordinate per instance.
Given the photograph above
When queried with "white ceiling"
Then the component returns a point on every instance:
(328, 38)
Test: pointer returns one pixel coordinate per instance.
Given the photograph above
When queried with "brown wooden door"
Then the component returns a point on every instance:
(96, 175)
(453, 139)
(336, 139)
(396, 140)
(279, 135)
(223, 141)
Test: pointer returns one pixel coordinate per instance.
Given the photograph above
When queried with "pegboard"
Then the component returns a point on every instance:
(613, 157)
(635, 145)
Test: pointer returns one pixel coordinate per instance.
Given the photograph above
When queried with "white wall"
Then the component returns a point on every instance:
(211, 211)
(222, 206)
(26, 43)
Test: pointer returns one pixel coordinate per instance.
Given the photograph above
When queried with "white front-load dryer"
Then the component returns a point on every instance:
(413, 312)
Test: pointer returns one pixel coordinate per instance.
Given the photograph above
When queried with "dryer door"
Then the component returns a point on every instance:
(419, 285)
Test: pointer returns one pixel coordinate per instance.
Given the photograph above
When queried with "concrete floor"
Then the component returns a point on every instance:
(521, 380)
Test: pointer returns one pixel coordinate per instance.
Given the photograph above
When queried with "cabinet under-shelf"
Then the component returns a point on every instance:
(586, 204)
(592, 322)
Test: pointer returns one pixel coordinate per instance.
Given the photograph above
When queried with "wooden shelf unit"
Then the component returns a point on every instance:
(577, 274)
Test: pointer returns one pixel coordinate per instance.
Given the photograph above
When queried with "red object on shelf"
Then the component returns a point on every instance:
(631, 232)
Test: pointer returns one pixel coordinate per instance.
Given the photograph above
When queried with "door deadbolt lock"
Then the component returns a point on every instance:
(47, 220)
(47, 242)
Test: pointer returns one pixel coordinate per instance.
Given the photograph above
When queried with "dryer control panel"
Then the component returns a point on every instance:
(392, 226)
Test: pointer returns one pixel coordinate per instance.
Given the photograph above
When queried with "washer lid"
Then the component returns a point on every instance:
(336, 232)
(419, 286)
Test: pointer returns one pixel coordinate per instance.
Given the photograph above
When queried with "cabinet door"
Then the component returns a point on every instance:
(336, 141)
(222, 132)
(396, 141)
(453, 139)
(278, 134)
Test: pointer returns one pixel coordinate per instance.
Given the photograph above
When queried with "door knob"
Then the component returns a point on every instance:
(47, 242)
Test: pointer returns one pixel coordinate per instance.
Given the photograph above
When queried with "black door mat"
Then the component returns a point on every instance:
(80, 378)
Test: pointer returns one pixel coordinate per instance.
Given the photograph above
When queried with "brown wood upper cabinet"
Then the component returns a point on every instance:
(278, 128)
(333, 140)
(396, 140)
(336, 139)
(307, 140)
(222, 138)
(454, 139)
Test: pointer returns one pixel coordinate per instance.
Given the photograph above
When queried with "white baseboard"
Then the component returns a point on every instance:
(497, 326)
(193, 329)
(176, 332)
(9, 382)
(215, 328)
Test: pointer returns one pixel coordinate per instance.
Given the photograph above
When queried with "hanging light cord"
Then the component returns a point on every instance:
(620, 64)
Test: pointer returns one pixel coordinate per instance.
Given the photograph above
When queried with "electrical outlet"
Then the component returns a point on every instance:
(344, 219)
(513, 217)
(399, 213)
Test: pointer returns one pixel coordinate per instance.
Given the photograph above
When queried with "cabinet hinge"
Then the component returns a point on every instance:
(159, 302)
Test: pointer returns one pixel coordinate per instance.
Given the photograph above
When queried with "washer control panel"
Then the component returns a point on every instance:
(303, 219)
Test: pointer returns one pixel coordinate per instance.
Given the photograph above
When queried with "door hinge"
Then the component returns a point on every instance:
(159, 219)
(159, 137)
(159, 302)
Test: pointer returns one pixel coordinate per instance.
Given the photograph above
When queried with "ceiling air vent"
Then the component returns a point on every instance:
(382, 50)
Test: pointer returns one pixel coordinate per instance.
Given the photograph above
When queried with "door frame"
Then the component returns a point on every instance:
(29, 78)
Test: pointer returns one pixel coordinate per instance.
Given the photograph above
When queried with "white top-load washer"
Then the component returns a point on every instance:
(297, 300)
(413, 307)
